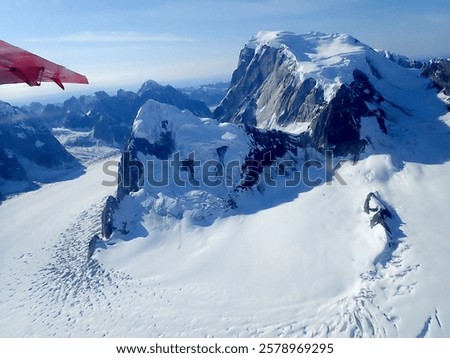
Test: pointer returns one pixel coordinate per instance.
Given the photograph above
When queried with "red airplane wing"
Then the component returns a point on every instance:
(17, 66)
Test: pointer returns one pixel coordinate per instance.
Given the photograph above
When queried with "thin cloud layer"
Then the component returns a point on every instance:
(114, 36)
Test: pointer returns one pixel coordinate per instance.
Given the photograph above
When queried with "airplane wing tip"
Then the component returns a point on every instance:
(19, 65)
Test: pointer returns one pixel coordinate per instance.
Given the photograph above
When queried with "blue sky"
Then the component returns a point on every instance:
(120, 44)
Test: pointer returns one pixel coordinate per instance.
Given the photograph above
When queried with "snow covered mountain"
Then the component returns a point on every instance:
(313, 204)
(177, 165)
(30, 154)
(327, 84)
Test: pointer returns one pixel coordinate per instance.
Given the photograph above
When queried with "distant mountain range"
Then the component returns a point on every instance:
(99, 118)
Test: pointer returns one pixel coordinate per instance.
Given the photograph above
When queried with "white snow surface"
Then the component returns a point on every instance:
(304, 267)
(331, 58)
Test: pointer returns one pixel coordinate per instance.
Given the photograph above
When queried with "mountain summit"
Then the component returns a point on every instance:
(329, 85)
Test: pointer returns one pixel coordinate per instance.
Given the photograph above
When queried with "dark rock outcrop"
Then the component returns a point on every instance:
(10, 167)
(268, 76)
(131, 170)
(338, 125)
(386, 217)
(111, 206)
(239, 105)
(266, 147)
(439, 72)
(93, 242)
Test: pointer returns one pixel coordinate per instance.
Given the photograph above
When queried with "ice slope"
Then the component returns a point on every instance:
(303, 268)
(43, 240)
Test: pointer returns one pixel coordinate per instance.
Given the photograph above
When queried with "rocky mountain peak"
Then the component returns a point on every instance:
(323, 84)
